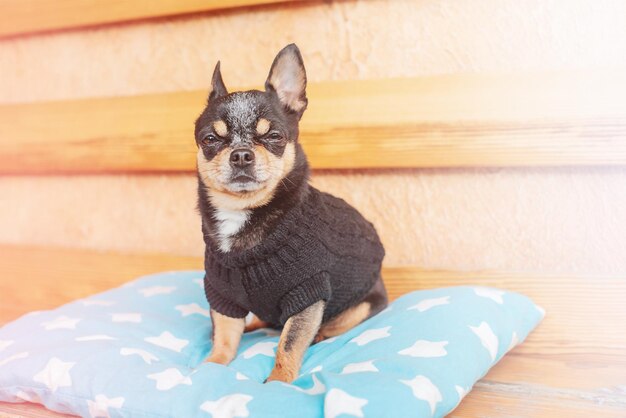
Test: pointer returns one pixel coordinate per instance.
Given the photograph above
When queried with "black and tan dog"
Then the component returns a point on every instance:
(299, 259)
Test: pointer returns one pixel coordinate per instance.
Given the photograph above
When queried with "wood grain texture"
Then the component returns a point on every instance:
(573, 364)
(25, 16)
(492, 399)
(28, 410)
(446, 121)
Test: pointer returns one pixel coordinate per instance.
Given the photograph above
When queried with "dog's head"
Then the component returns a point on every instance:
(247, 140)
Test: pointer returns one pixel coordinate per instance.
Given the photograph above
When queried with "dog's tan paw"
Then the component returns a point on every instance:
(319, 338)
(281, 376)
(283, 373)
(217, 358)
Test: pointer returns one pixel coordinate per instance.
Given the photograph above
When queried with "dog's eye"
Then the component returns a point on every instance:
(208, 139)
(274, 135)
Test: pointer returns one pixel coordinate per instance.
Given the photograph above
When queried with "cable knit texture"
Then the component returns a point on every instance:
(322, 249)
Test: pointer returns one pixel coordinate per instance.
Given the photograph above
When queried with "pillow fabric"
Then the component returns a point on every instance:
(138, 351)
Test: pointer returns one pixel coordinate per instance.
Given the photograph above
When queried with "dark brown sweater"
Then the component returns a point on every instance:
(321, 249)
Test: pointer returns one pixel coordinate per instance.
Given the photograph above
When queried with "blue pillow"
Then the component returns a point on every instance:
(137, 351)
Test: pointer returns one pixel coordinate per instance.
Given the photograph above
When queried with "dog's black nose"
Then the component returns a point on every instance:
(241, 157)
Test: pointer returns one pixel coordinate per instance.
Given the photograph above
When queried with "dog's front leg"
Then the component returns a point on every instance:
(295, 338)
(227, 333)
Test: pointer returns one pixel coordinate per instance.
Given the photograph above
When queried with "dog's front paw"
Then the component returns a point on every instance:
(281, 376)
(217, 358)
(319, 337)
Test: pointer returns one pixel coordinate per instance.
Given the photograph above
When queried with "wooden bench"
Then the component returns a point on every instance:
(554, 119)
(35, 16)
(573, 365)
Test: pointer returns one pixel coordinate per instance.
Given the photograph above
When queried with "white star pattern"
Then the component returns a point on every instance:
(425, 390)
(427, 304)
(5, 343)
(14, 357)
(423, 348)
(240, 376)
(370, 335)
(493, 294)
(55, 375)
(316, 369)
(98, 303)
(317, 388)
(100, 407)
(61, 322)
(169, 378)
(167, 340)
(229, 406)
(365, 366)
(98, 337)
(157, 290)
(145, 356)
(192, 308)
(487, 338)
(265, 348)
(461, 391)
(126, 317)
(338, 402)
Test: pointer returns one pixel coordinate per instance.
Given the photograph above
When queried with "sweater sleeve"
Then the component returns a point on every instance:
(304, 295)
(222, 305)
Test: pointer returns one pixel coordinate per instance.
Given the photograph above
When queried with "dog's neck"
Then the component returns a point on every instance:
(243, 228)
(228, 224)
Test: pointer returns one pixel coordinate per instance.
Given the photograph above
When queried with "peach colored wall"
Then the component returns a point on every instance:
(340, 40)
(549, 220)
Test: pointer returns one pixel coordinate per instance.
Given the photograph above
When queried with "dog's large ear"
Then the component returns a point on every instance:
(287, 79)
(218, 89)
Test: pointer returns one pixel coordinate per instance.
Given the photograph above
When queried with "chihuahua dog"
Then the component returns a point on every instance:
(300, 260)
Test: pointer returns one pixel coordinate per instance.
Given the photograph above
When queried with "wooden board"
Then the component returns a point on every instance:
(573, 364)
(28, 410)
(25, 16)
(446, 121)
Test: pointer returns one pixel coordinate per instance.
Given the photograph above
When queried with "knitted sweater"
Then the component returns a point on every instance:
(321, 249)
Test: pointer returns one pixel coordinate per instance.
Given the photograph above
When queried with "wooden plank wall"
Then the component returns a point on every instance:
(27, 16)
(553, 119)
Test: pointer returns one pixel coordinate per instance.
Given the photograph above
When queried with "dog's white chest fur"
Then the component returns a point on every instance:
(229, 222)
